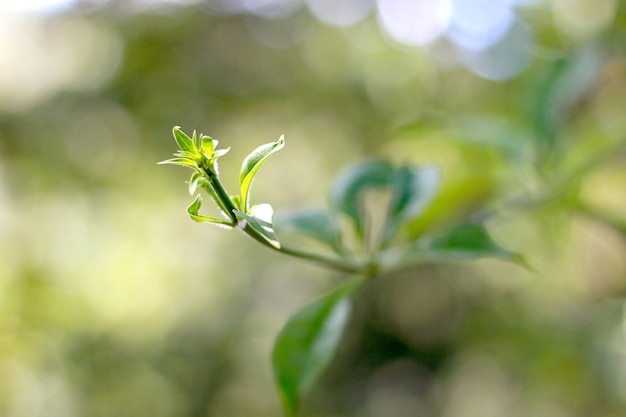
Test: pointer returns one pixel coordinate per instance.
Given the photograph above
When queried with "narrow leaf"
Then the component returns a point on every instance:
(185, 162)
(185, 154)
(347, 191)
(193, 213)
(321, 225)
(566, 83)
(308, 343)
(220, 152)
(251, 165)
(193, 182)
(185, 143)
(413, 190)
(261, 228)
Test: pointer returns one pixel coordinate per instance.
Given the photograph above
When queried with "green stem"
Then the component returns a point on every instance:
(332, 263)
(221, 194)
(226, 202)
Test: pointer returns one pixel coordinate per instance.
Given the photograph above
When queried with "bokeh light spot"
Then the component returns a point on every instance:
(479, 24)
(37, 5)
(504, 60)
(341, 12)
(272, 9)
(414, 22)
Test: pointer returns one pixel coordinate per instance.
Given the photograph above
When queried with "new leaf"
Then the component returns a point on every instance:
(251, 165)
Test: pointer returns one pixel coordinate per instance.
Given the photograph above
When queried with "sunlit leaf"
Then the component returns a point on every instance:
(185, 143)
(207, 144)
(185, 162)
(308, 343)
(185, 154)
(413, 190)
(236, 199)
(318, 224)
(261, 227)
(193, 182)
(193, 213)
(263, 212)
(220, 152)
(347, 191)
(251, 165)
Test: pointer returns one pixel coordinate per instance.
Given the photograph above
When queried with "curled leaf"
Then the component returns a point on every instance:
(207, 144)
(413, 190)
(193, 182)
(193, 209)
(220, 152)
(251, 165)
(260, 227)
(348, 189)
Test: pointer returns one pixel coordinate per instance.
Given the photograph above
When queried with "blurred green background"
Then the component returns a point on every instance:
(114, 303)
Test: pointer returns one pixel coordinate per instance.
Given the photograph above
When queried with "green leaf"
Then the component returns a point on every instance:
(308, 343)
(251, 165)
(193, 213)
(259, 225)
(321, 225)
(185, 143)
(264, 213)
(566, 82)
(184, 154)
(185, 162)
(193, 182)
(220, 152)
(207, 144)
(413, 190)
(236, 199)
(464, 242)
(347, 191)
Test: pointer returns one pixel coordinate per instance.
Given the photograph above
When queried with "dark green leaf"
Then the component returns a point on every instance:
(413, 190)
(193, 213)
(347, 191)
(260, 224)
(185, 143)
(464, 242)
(565, 83)
(251, 165)
(308, 343)
(318, 224)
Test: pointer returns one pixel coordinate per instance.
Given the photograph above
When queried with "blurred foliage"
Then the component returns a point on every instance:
(113, 303)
